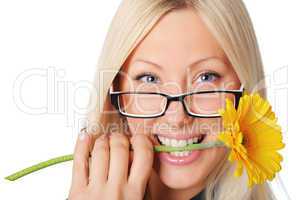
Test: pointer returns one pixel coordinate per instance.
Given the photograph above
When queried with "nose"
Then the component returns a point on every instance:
(175, 113)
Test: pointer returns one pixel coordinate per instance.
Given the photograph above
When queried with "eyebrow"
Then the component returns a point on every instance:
(200, 60)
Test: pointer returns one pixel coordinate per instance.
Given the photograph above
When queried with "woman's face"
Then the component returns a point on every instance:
(179, 55)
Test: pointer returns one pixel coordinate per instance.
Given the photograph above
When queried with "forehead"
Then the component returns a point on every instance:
(179, 38)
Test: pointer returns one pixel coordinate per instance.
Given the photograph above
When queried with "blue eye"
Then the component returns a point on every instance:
(208, 77)
(147, 78)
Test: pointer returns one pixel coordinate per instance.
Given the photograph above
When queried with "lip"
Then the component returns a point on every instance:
(179, 160)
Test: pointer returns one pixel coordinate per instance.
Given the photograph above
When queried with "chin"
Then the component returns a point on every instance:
(191, 175)
(181, 180)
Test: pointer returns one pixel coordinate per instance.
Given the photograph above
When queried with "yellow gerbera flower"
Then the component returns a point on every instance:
(253, 136)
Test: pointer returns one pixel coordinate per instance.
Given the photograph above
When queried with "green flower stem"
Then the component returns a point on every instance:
(199, 146)
(159, 148)
(39, 166)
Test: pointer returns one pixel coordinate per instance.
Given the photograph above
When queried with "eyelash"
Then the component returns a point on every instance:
(216, 75)
(138, 77)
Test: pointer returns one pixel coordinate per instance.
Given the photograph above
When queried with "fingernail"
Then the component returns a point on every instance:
(133, 137)
(103, 136)
(82, 134)
(115, 134)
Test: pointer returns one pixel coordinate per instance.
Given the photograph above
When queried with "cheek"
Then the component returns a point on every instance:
(209, 126)
(140, 126)
(211, 157)
(209, 160)
(231, 80)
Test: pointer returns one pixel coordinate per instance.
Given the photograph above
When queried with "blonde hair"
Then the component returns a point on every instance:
(229, 22)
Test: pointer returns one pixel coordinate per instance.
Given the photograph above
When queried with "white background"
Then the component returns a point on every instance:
(65, 38)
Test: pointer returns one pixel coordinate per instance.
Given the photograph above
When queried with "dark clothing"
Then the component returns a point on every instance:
(199, 196)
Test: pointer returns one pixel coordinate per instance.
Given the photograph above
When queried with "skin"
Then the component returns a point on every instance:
(113, 167)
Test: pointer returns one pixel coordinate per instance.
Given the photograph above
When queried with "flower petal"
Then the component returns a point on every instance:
(254, 137)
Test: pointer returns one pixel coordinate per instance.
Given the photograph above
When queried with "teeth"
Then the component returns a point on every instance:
(182, 143)
(180, 153)
(174, 143)
(177, 143)
(165, 141)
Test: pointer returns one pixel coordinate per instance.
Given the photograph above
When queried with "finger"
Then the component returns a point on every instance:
(142, 161)
(100, 161)
(131, 157)
(80, 169)
(119, 158)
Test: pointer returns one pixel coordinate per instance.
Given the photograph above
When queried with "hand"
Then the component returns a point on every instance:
(112, 173)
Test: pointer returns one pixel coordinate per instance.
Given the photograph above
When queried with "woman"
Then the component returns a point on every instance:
(168, 47)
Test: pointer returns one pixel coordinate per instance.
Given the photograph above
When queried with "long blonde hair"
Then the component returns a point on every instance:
(229, 22)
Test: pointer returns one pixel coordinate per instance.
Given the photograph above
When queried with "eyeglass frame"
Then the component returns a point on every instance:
(179, 97)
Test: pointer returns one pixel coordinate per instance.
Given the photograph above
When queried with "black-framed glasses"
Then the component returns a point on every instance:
(202, 104)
